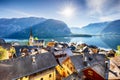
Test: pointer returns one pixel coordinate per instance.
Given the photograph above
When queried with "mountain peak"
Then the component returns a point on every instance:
(20, 27)
(108, 27)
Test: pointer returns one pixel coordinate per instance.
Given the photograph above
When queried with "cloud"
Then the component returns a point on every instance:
(18, 12)
(95, 6)
(10, 13)
(103, 9)
(110, 17)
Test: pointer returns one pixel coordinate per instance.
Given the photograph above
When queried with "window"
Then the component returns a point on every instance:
(71, 68)
(41, 79)
(67, 65)
(50, 76)
(26, 76)
(68, 73)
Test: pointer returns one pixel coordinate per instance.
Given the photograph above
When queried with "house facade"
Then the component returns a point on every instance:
(95, 67)
(34, 67)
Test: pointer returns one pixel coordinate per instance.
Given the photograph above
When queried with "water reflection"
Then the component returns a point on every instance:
(59, 39)
(109, 41)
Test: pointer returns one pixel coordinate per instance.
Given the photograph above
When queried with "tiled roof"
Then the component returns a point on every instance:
(6, 45)
(17, 48)
(23, 66)
(97, 63)
(66, 51)
(99, 69)
(2, 41)
(116, 60)
(73, 76)
(77, 60)
(114, 73)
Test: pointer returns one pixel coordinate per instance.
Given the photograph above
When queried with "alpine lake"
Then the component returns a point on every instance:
(104, 41)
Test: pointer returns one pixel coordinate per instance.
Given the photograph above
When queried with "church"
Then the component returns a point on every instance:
(35, 41)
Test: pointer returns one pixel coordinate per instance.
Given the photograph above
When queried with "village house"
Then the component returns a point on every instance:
(74, 76)
(77, 64)
(34, 67)
(114, 68)
(24, 50)
(6, 51)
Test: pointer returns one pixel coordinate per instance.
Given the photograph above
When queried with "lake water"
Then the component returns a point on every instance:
(108, 42)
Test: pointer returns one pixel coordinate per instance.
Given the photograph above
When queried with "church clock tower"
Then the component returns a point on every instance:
(31, 39)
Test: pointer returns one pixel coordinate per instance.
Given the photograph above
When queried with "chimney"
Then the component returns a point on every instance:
(33, 59)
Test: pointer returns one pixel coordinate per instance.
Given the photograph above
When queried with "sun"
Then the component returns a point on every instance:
(67, 12)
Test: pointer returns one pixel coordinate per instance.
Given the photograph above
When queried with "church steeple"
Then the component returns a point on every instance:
(31, 32)
(31, 38)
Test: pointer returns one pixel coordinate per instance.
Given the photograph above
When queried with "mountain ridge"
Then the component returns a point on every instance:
(20, 27)
(102, 28)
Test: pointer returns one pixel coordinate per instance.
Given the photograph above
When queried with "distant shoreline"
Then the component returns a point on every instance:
(70, 35)
(80, 35)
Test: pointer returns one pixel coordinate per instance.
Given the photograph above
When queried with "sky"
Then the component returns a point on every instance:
(75, 13)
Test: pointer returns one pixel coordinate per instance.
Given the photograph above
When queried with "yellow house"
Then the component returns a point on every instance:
(68, 66)
(6, 51)
(74, 76)
(51, 44)
(49, 74)
(75, 64)
(35, 67)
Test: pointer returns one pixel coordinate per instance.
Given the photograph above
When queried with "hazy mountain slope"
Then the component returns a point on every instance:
(93, 28)
(48, 28)
(111, 27)
(9, 26)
